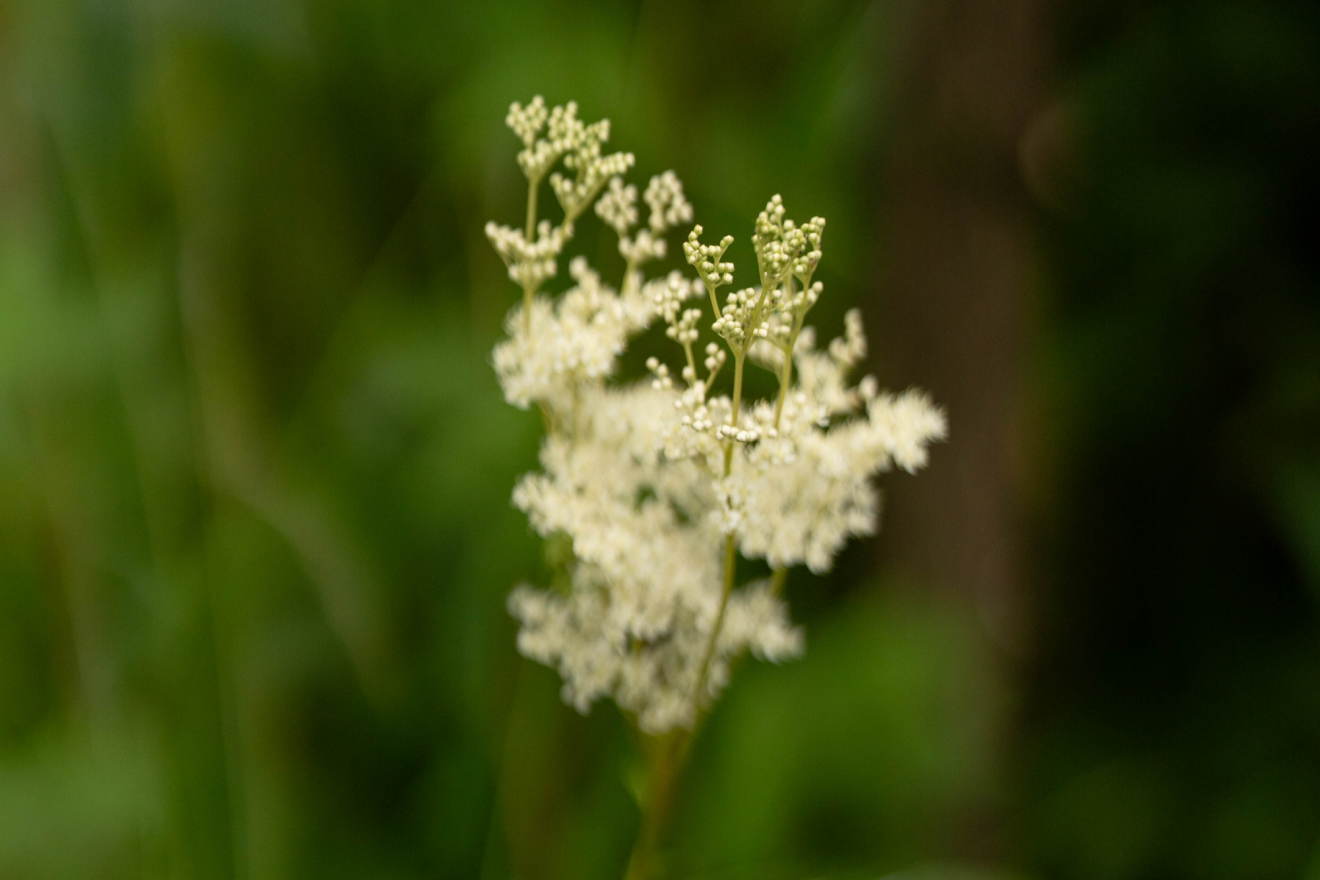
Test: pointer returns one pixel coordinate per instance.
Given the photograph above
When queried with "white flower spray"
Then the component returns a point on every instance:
(659, 486)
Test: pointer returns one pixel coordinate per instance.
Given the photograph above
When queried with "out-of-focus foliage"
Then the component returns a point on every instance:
(255, 536)
(1174, 719)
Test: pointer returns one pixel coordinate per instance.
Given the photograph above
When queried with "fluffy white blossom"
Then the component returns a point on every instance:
(659, 484)
(806, 486)
(568, 342)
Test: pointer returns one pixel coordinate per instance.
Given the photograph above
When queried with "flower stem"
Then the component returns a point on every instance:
(691, 361)
(665, 764)
(664, 768)
(783, 385)
(730, 563)
(787, 379)
(672, 749)
(714, 300)
(532, 186)
(738, 358)
(631, 278)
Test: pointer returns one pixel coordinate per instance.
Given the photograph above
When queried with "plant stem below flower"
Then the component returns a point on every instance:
(532, 186)
(664, 765)
(672, 748)
(738, 358)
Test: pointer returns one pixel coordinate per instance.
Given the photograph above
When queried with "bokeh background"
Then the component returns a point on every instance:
(255, 534)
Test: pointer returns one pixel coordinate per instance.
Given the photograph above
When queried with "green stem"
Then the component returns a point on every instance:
(691, 361)
(710, 379)
(714, 300)
(730, 563)
(532, 187)
(758, 314)
(784, 381)
(665, 764)
(629, 277)
(787, 378)
(738, 358)
(673, 750)
(665, 767)
(730, 545)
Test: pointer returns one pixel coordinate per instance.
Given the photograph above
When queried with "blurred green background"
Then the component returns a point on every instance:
(255, 534)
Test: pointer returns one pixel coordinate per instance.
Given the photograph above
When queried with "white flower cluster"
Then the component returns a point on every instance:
(531, 258)
(531, 261)
(659, 486)
(805, 485)
(575, 340)
(618, 208)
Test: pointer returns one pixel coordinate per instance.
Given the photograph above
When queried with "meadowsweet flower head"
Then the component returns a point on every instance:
(659, 484)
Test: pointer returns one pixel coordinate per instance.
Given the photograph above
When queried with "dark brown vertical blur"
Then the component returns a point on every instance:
(953, 291)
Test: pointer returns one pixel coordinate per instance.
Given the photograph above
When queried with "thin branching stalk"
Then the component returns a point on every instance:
(532, 187)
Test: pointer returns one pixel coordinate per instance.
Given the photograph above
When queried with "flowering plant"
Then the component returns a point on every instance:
(655, 488)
